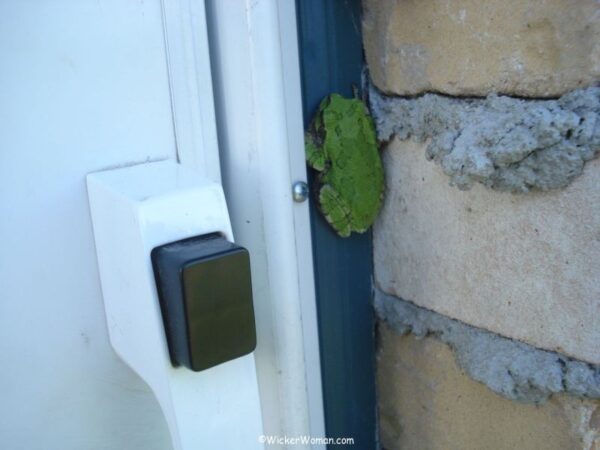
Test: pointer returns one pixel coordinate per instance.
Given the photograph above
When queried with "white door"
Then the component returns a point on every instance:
(85, 86)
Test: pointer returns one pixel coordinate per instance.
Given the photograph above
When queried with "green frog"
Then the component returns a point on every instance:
(341, 144)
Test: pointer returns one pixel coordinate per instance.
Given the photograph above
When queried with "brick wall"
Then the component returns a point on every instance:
(522, 265)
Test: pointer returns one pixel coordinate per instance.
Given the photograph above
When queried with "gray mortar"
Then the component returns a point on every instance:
(510, 368)
(505, 143)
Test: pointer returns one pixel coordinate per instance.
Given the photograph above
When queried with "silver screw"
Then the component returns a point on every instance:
(300, 191)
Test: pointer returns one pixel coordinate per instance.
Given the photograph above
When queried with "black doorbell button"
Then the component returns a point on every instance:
(205, 294)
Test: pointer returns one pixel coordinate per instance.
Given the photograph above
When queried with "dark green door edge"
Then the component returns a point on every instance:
(331, 59)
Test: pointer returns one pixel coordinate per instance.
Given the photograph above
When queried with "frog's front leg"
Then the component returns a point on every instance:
(336, 210)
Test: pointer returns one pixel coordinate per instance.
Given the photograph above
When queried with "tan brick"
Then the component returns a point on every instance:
(472, 47)
(427, 403)
(523, 266)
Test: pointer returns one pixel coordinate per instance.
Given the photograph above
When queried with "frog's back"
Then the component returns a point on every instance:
(355, 172)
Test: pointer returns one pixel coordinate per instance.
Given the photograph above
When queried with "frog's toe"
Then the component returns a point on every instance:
(336, 210)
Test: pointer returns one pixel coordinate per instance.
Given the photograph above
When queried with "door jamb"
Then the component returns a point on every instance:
(254, 75)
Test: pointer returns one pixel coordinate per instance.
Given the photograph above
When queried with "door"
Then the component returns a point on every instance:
(85, 86)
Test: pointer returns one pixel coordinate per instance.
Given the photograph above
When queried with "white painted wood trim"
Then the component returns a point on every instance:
(254, 52)
(190, 79)
(292, 92)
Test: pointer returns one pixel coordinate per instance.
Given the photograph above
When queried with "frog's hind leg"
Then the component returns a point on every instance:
(336, 210)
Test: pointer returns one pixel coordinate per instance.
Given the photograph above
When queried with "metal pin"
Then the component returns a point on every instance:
(300, 191)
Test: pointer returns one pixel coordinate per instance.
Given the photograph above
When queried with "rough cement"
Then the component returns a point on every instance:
(510, 368)
(505, 143)
(427, 402)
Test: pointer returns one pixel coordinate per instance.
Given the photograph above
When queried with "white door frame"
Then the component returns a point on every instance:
(190, 79)
(257, 98)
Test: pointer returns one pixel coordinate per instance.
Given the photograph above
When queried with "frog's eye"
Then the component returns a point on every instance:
(320, 134)
(317, 131)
